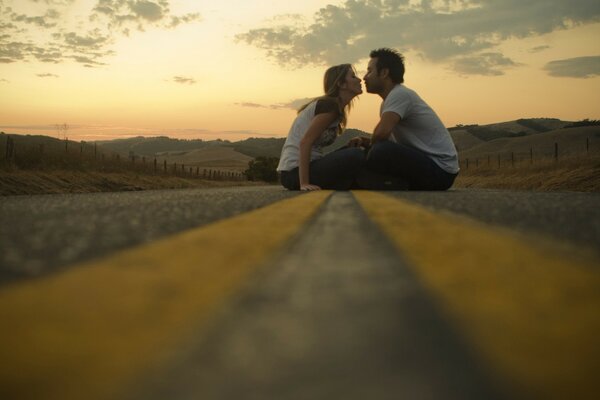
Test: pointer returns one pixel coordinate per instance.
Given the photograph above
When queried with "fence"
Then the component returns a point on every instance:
(88, 157)
(518, 158)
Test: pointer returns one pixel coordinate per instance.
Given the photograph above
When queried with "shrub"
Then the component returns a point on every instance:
(262, 169)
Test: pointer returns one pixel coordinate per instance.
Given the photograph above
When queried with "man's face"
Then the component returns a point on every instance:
(373, 82)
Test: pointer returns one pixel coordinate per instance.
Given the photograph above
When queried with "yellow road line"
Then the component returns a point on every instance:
(533, 315)
(86, 333)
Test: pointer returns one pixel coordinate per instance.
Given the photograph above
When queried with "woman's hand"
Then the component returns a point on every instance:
(309, 187)
(359, 142)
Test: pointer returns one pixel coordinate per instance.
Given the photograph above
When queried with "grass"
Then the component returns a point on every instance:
(23, 182)
(41, 165)
(580, 174)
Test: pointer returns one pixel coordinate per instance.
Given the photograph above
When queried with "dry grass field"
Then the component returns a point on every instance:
(560, 159)
(570, 141)
(573, 173)
(518, 155)
(213, 157)
(67, 181)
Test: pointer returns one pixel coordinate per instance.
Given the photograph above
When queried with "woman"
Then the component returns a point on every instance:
(303, 165)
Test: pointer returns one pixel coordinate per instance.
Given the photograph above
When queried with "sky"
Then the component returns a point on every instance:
(233, 69)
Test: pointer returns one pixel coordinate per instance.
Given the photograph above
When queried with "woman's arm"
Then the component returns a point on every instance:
(317, 126)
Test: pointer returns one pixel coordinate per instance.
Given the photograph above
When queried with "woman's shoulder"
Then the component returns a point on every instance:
(326, 105)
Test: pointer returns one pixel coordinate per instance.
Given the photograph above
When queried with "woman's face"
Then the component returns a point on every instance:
(352, 83)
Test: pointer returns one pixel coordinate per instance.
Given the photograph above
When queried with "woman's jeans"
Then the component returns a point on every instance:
(406, 163)
(337, 170)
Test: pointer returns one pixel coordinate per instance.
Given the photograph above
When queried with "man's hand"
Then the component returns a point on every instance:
(359, 142)
(309, 187)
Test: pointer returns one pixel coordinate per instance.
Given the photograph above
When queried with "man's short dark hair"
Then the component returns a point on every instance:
(392, 60)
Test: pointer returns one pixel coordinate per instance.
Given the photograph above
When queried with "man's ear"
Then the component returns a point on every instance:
(384, 73)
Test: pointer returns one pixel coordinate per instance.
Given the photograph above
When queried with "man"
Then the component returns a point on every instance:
(410, 147)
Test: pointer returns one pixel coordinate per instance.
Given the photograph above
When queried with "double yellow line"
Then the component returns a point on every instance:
(90, 331)
(532, 314)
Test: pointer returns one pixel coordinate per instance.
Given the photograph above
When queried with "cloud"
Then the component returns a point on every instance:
(251, 105)
(293, 104)
(47, 75)
(578, 67)
(184, 80)
(138, 14)
(48, 20)
(490, 64)
(47, 36)
(439, 31)
(538, 49)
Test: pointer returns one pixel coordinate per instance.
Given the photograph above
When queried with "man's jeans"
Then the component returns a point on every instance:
(406, 163)
(337, 170)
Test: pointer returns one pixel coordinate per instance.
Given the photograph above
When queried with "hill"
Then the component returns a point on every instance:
(256, 147)
(516, 128)
(210, 157)
(571, 141)
(154, 146)
(150, 146)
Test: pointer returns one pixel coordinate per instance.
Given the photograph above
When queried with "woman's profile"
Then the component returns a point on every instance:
(302, 165)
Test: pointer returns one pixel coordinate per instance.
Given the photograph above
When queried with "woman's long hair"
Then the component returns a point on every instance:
(333, 79)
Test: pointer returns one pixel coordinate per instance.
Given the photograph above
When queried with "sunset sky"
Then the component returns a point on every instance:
(233, 69)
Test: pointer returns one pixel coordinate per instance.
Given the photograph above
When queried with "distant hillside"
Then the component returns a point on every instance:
(463, 139)
(471, 141)
(255, 147)
(210, 157)
(517, 128)
(155, 146)
(570, 141)
(150, 146)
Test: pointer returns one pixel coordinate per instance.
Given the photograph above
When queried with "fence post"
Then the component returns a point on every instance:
(10, 149)
(587, 146)
(155, 165)
(531, 155)
(165, 165)
(555, 151)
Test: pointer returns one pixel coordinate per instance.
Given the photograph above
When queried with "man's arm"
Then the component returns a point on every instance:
(384, 128)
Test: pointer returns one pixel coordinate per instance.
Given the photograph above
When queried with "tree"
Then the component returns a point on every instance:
(262, 169)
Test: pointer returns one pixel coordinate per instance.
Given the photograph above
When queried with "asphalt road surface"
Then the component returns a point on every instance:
(44, 233)
(261, 293)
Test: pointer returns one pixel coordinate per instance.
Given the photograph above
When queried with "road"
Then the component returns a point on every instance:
(257, 293)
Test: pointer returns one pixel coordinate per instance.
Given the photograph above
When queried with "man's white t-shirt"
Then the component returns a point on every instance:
(290, 153)
(420, 128)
